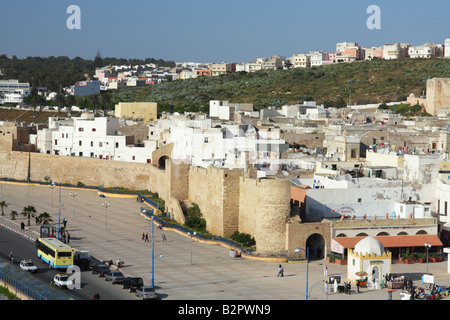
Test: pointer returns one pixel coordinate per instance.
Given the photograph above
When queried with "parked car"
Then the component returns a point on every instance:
(62, 280)
(115, 277)
(101, 270)
(146, 292)
(132, 283)
(28, 265)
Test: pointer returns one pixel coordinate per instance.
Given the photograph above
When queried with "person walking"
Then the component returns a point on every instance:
(357, 286)
(143, 236)
(164, 238)
(65, 222)
(22, 226)
(280, 271)
(146, 237)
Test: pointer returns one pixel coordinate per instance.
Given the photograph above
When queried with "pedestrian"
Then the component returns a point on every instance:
(143, 236)
(280, 271)
(68, 237)
(146, 237)
(96, 296)
(65, 222)
(22, 226)
(357, 286)
(164, 238)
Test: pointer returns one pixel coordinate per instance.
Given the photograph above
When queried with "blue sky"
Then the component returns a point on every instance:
(213, 30)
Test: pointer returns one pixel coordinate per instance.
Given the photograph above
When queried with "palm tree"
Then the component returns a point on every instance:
(3, 205)
(14, 215)
(29, 212)
(45, 218)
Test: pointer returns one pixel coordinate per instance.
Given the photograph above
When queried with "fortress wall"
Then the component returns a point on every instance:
(206, 190)
(231, 196)
(248, 202)
(91, 172)
(272, 213)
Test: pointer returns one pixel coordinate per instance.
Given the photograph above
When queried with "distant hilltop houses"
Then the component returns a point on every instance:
(118, 76)
(115, 77)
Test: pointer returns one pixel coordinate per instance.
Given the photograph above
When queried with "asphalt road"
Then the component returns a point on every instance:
(24, 248)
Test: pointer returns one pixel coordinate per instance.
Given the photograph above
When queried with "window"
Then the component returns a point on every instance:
(445, 208)
(359, 200)
(56, 142)
(134, 158)
(117, 144)
(100, 144)
(92, 154)
(353, 153)
(80, 143)
(93, 129)
(80, 154)
(80, 129)
(92, 143)
(205, 140)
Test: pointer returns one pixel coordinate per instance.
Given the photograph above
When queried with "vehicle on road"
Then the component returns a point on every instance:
(28, 265)
(82, 259)
(132, 283)
(146, 292)
(115, 277)
(62, 280)
(100, 269)
(54, 252)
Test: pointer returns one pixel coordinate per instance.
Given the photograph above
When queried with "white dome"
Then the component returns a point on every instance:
(369, 245)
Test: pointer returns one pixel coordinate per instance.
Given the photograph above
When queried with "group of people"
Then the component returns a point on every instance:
(144, 237)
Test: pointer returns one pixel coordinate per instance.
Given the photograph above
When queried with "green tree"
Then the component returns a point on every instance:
(3, 205)
(34, 100)
(70, 102)
(29, 212)
(60, 101)
(45, 218)
(14, 214)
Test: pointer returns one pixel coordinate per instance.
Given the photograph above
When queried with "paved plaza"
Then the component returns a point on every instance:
(188, 270)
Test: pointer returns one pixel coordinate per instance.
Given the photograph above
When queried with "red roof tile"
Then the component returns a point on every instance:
(393, 241)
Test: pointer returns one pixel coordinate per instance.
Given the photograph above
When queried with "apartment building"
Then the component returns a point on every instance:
(317, 58)
(395, 51)
(222, 68)
(373, 52)
(300, 60)
(12, 91)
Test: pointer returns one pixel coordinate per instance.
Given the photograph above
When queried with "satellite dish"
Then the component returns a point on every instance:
(348, 177)
(284, 173)
(405, 197)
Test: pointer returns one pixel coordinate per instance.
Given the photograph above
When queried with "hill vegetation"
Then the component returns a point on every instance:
(365, 82)
(376, 81)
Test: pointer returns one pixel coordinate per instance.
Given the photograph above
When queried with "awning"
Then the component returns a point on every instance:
(389, 241)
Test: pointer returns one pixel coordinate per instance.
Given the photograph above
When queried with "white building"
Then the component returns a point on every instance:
(447, 48)
(317, 57)
(12, 91)
(300, 60)
(421, 51)
(92, 138)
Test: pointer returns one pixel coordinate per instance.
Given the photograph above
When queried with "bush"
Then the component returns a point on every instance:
(244, 239)
(196, 224)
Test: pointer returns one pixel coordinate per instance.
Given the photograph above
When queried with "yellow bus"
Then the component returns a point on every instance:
(54, 252)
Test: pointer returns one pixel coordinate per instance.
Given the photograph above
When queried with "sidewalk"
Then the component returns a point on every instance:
(188, 270)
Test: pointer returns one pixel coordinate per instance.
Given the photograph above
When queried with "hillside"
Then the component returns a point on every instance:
(375, 81)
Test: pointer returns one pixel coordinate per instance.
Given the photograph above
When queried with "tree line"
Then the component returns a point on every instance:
(56, 73)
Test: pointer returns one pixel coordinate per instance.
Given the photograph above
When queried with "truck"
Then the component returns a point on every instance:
(82, 259)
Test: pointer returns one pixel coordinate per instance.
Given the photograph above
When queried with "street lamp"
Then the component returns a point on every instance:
(192, 234)
(307, 266)
(52, 186)
(106, 205)
(153, 255)
(73, 195)
(427, 246)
